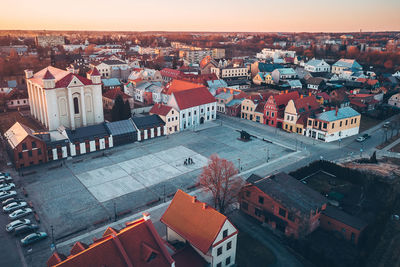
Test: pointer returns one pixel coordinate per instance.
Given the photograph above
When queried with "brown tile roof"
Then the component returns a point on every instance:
(193, 97)
(283, 99)
(306, 104)
(113, 93)
(195, 221)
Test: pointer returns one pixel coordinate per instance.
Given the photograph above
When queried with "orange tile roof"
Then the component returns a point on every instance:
(179, 85)
(193, 98)
(160, 109)
(133, 245)
(196, 224)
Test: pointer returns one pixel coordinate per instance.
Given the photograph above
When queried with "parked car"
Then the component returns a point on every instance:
(14, 224)
(7, 187)
(386, 124)
(5, 179)
(360, 139)
(24, 229)
(11, 199)
(32, 238)
(20, 213)
(7, 194)
(14, 206)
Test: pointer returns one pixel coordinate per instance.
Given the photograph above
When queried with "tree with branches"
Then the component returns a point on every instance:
(220, 177)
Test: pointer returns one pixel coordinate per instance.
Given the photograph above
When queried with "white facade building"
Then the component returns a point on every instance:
(316, 65)
(61, 98)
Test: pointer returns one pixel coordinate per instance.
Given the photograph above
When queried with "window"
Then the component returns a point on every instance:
(261, 200)
(248, 193)
(333, 125)
(346, 122)
(195, 112)
(33, 144)
(257, 212)
(183, 115)
(355, 120)
(39, 151)
(325, 125)
(228, 261)
(219, 264)
(245, 205)
(309, 122)
(76, 105)
(229, 245)
(282, 212)
(219, 251)
(340, 124)
(189, 114)
(291, 216)
(20, 155)
(24, 146)
(272, 114)
(224, 233)
(30, 153)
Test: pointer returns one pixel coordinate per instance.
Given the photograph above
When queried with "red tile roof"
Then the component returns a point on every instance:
(283, 99)
(193, 97)
(48, 76)
(94, 72)
(138, 244)
(307, 103)
(62, 78)
(113, 93)
(160, 109)
(171, 73)
(179, 85)
(196, 224)
(64, 82)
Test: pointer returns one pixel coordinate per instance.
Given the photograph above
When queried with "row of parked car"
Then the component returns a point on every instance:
(17, 208)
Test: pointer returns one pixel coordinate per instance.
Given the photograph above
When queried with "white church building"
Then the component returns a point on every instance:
(63, 98)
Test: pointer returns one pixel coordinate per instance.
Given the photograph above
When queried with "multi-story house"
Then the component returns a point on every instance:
(201, 227)
(343, 65)
(169, 115)
(231, 73)
(283, 74)
(297, 112)
(177, 86)
(315, 85)
(317, 65)
(263, 78)
(206, 64)
(275, 106)
(196, 106)
(168, 74)
(334, 124)
(247, 109)
(283, 203)
(112, 69)
(226, 95)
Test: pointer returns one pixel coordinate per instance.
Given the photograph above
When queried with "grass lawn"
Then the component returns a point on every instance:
(368, 122)
(251, 252)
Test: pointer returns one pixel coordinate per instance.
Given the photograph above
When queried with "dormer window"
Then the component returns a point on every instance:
(224, 233)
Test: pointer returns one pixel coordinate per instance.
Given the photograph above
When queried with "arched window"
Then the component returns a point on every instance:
(76, 105)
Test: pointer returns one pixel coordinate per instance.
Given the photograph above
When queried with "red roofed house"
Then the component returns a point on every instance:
(206, 64)
(169, 74)
(110, 96)
(274, 109)
(206, 230)
(138, 244)
(169, 115)
(177, 86)
(17, 99)
(58, 97)
(297, 112)
(195, 106)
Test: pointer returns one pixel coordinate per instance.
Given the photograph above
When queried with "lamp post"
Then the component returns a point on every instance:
(115, 212)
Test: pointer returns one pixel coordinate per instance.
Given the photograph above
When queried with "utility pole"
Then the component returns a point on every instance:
(239, 165)
(115, 212)
(52, 238)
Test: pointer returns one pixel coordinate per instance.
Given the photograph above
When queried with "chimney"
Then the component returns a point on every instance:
(301, 96)
(146, 216)
(309, 93)
(336, 111)
(28, 74)
(204, 206)
(286, 91)
(194, 199)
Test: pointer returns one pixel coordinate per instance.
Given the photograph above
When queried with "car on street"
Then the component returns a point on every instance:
(386, 124)
(7, 194)
(14, 206)
(20, 213)
(11, 199)
(5, 179)
(360, 139)
(17, 223)
(366, 136)
(32, 238)
(25, 229)
(7, 187)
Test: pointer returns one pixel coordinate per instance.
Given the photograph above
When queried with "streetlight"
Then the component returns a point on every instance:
(115, 212)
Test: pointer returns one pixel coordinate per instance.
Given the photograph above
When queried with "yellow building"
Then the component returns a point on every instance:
(247, 110)
(334, 124)
(296, 113)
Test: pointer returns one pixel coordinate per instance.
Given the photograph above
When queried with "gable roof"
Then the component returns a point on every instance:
(111, 82)
(345, 218)
(113, 93)
(17, 133)
(348, 63)
(283, 99)
(196, 222)
(306, 104)
(138, 244)
(167, 72)
(291, 193)
(121, 127)
(87, 133)
(193, 98)
(94, 72)
(160, 109)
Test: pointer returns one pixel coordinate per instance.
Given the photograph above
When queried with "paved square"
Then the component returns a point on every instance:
(125, 177)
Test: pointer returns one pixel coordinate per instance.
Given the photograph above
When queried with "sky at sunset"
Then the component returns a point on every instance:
(204, 15)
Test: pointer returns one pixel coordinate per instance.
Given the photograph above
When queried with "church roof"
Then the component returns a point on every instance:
(62, 77)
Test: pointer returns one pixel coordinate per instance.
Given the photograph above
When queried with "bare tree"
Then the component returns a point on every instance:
(220, 178)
